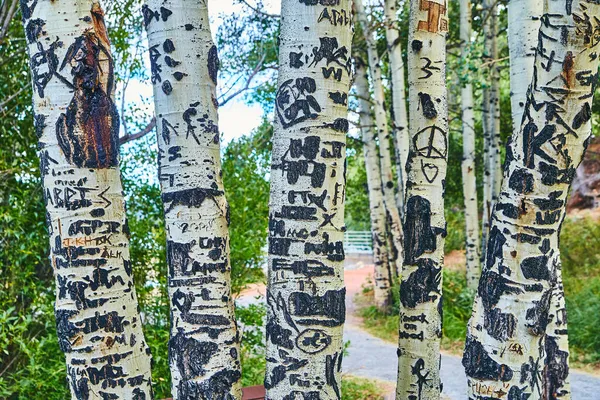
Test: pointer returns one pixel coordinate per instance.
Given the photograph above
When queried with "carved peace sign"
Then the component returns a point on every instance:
(430, 142)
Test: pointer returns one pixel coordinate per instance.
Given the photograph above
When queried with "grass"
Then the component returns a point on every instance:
(580, 254)
(360, 388)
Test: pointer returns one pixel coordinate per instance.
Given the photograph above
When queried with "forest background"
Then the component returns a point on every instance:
(30, 359)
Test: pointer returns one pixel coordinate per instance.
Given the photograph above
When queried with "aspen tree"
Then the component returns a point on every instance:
(523, 26)
(468, 161)
(204, 352)
(385, 158)
(516, 336)
(492, 174)
(424, 225)
(97, 319)
(383, 276)
(399, 113)
(306, 293)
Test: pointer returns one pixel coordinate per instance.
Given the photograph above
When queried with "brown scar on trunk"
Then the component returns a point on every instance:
(99, 24)
(568, 73)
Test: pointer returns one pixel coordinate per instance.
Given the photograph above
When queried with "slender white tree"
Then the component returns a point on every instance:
(424, 226)
(98, 324)
(399, 112)
(385, 158)
(383, 272)
(204, 345)
(468, 161)
(523, 25)
(492, 171)
(516, 343)
(306, 293)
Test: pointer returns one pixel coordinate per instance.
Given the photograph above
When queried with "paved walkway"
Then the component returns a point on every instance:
(374, 358)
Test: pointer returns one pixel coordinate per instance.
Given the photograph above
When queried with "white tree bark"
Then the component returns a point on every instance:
(98, 324)
(385, 158)
(306, 293)
(399, 113)
(468, 161)
(204, 345)
(516, 342)
(523, 26)
(383, 272)
(492, 175)
(424, 226)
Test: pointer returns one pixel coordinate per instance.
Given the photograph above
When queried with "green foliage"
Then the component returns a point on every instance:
(246, 165)
(251, 321)
(357, 216)
(455, 227)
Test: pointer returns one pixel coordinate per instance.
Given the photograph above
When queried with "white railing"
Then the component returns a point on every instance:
(358, 242)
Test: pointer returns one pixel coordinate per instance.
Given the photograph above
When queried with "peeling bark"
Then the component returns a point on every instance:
(424, 225)
(204, 352)
(399, 113)
(385, 159)
(516, 341)
(98, 324)
(306, 293)
(383, 273)
(468, 161)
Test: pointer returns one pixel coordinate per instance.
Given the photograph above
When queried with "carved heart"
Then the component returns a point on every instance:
(430, 171)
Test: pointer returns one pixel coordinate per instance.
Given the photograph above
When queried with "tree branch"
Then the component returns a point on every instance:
(256, 70)
(258, 11)
(130, 138)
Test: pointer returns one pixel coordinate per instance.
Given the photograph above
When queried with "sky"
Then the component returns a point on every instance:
(235, 118)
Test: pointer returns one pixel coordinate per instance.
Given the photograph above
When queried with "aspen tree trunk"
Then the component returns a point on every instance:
(400, 115)
(306, 293)
(385, 159)
(492, 175)
(204, 343)
(424, 226)
(516, 343)
(97, 319)
(523, 26)
(383, 272)
(468, 161)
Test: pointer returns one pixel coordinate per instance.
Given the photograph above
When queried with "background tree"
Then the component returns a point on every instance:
(398, 88)
(306, 294)
(383, 274)
(521, 276)
(424, 225)
(473, 264)
(383, 135)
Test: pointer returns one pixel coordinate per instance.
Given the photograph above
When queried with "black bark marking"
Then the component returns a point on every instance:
(331, 307)
(419, 236)
(313, 341)
(538, 316)
(34, 29)
(423, 285)
(213, 64)
(218, 386)
(493, 286)
(279, 335)
(333, 250)
(521, 181)
(183, 302)
(532, 143)
(583, 116)
(294, 97)
(416, 45)
(536, 268)
(501, 326)
(556, 369)
(190, 355)
(182, 264)
(330, 365)
(193, 198)
(479, 365)
(427, 106)
(339, 98)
